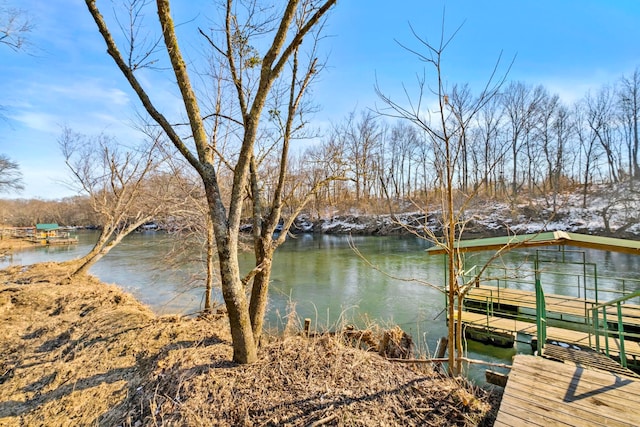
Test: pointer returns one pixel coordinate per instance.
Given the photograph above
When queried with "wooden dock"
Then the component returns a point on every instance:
(561, 305)
(505, 312)
(55, 241)
(514, 326)
(542, 392)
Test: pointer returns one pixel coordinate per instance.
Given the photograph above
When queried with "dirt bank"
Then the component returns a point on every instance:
(10, 245)
(86, 353)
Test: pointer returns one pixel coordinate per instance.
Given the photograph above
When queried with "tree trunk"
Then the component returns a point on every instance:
(636, 142)
(244, 348)
(210, 269)
(514, 176)
(102, 247)
(259, 295)
(86, 262)
(451, 326)
(94, 255)
(450, 237)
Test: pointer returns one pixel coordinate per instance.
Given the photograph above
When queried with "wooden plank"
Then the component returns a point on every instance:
(587, 403)
(621, 392)
(506, 419)
(552, 410)
(568, 386)
(588, 358)
(533, 408)
(547, 393)
(576, 388)
(527, 415)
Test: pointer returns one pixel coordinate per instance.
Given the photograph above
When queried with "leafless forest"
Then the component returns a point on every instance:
(525, 143)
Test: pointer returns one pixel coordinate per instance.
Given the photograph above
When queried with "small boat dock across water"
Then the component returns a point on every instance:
(42, 234)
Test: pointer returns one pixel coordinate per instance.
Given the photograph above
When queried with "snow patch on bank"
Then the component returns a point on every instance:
(610, 209)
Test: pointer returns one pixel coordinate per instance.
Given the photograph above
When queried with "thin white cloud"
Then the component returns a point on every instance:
(91, 90)
(89, 104)
(44, 122)
(571, 88)
(87, 91)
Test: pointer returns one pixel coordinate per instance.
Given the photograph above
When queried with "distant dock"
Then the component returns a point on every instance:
(41, 234)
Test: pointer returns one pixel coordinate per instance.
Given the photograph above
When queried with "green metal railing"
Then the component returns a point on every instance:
(541, 313)
(601, 326)
(589, 285)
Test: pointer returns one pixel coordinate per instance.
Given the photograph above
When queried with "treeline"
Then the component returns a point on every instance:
(69, 211)
(524, 143)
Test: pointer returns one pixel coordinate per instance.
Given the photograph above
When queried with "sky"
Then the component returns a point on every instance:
(65, 77)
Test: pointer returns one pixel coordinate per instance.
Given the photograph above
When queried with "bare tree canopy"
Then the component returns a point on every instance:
(444, 123)
(253, 47)
(126, 186)
(14, 26)
(10, 175)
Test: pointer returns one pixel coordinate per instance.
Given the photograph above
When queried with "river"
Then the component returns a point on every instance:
(320, 275)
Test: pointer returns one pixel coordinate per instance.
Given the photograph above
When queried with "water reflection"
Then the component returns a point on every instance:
(325, 279)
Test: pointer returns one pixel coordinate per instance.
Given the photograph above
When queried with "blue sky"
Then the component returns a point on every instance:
(66, 78)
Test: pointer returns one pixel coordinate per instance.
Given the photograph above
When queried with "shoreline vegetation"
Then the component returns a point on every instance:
(87, 353)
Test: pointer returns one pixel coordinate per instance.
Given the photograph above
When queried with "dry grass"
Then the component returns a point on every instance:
(86, 353)
(10, 245)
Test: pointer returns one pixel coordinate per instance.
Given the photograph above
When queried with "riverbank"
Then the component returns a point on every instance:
(9, 245)
(606, 210)
(87, 353)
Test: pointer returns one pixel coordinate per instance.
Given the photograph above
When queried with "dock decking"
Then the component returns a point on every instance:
(541, 392)
(559, 304)
(502, 324)
(507, 311)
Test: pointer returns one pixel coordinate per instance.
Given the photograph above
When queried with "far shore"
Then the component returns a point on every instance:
(8, 245)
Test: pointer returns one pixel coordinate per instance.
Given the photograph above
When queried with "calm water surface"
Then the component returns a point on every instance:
(323, 278)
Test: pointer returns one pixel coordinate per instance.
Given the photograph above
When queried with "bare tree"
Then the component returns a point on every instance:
(600, 118)
(401, 147)
(488, 132)
(363, 144)
(187, 220)
(520, 105)
(123, 185)
(281, 31)
(268, 202)
(14, 26)
(629, 103)
(461, 102)
(10, 175)
(588, 148)
(444, 128)
(328, 159)
(555, 129)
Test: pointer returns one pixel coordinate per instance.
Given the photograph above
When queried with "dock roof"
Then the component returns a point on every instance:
(47, 227)
(550, 238)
